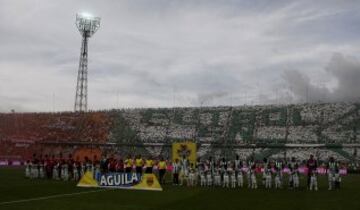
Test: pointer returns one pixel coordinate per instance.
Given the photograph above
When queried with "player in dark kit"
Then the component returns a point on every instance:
(120, 165)
(104, 162)
(61, 162)
(77, 169)
(70, 162)
(48, 167)
(112, 164)
(311, 165)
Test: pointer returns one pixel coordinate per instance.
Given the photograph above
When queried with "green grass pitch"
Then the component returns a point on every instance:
(14, 187)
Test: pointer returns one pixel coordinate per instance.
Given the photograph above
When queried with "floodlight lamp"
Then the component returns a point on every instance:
(86, 15)
(87, 24)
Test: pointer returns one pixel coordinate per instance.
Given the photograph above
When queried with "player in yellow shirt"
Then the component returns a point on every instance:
(139, 163)
(128, 164)
(162, 170)
(149, 163)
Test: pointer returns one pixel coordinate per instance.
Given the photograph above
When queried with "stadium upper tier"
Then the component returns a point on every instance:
(329, 123)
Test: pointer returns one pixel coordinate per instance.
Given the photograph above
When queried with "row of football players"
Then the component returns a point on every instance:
(69, 168)
(58, 170)
(231, 179)
(270, 178)
(66, 169)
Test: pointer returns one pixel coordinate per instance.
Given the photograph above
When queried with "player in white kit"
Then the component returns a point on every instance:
(240, 178)
(331, 167)
(265, 166)
(233, 179)
(295, 177)
(192, 177)
(64, 171)
(250, 166)
(27, 169)
(55, 171)
(313, 181)
(226, 180)
(209, 180)
(202, 179)
(253, 178)
(75, 171)
(277, 179)
(41, 170)
(34, 171)
(217, 178)
(82, 169)
(248, 176)
(268, 177)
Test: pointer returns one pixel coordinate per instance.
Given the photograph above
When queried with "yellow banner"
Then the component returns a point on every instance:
(148, 182)
(87, 180)
(184, 149)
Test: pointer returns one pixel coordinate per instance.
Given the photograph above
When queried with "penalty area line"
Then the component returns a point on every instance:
(50, 197)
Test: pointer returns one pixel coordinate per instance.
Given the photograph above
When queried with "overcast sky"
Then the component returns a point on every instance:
(164, 53)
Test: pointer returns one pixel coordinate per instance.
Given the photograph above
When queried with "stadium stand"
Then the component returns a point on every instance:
(216, 130)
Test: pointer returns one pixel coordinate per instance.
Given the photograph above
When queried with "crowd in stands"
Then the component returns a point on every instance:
(56, 127)
(330, 123)
(271, 133)
(303, 153)
(302, 134)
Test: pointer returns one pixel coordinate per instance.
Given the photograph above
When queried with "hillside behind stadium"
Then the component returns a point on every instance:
(331, 129)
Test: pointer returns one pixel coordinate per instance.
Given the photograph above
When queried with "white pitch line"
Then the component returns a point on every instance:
(50, 197)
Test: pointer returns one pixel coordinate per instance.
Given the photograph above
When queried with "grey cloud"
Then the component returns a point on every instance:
(301, 87)
(344, 70)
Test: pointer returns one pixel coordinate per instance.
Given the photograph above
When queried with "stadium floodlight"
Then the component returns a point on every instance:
(87, 25)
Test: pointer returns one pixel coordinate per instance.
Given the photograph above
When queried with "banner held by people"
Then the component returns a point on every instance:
(184, 149)
(121, 181)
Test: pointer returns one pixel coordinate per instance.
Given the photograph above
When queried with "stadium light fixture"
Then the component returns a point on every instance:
(87, 24)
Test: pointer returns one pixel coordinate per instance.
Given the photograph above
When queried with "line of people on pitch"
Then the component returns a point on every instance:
(231, 174)
(204, 172)
(59, 168)
(69, 169)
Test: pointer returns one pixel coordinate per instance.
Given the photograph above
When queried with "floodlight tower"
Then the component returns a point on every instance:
(87, 25)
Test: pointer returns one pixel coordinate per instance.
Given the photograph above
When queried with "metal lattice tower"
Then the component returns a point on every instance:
(87, 26)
